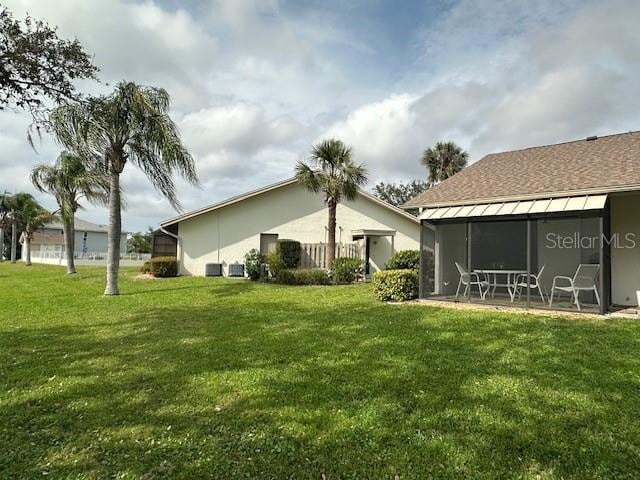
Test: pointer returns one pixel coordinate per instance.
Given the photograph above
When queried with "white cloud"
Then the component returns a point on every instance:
(254, 83)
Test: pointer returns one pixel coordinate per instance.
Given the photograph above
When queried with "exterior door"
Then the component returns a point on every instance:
(268, 243)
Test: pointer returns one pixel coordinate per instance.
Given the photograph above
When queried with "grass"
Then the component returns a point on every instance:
(213, 378)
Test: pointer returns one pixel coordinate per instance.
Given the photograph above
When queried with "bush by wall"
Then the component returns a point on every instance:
(146, 267)
(404, 259)
(254, 264)
(274, 264)
(346, 270)
(395, 285)
(303, 276)
(289, 251)
(163, 266)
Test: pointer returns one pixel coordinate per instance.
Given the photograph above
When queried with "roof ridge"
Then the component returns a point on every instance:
(598, 137)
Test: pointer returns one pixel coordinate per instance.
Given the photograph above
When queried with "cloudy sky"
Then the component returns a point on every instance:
(255, 83)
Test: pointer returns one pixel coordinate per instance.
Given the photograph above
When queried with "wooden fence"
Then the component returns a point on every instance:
(314, 255)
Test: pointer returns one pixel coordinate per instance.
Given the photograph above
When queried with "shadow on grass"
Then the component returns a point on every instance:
(270, 387)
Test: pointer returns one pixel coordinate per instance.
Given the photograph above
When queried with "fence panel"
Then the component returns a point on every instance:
(314, 255)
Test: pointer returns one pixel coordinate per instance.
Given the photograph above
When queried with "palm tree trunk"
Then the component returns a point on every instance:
(331, 240)
(113, 237)
(27, 250)
(14, 241)
(69, 242)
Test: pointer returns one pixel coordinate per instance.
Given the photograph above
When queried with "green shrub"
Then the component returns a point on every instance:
(254, 264)
(404, 259)
(146, 267)
(289, 251)
(303, 276)
(346, 270)
(274, 264)
(164, 266)
(395, 285)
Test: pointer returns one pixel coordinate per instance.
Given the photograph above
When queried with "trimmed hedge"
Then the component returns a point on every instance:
(346, 270)
(303, 276)
(289, 251)
(395, 285)
(146, 267)
(404, 259)
(163, 266)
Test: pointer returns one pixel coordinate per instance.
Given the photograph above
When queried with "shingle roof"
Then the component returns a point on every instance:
(80, 226)
(600, 165)
(268, 188)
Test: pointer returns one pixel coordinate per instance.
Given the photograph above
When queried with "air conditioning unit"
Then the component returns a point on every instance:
(236, 270)
(213, 270)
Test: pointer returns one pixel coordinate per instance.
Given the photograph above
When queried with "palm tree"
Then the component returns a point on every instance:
(31, 216)
(4, 220)
(132, 124)
(332, 171)
(443, 160)
(68, 180)
(27, 215)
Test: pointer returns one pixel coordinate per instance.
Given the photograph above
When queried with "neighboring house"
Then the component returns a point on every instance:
(221, 234)
(569, 210)
(90, 240)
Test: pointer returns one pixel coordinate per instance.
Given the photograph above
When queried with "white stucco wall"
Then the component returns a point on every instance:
(96, 242)
(225, 235)
(625, 259)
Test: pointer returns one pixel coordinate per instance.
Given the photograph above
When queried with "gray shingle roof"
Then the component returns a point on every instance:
(80, 226)
(608, 163)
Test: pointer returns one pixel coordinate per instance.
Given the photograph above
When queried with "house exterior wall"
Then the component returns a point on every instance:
(226, 234)
(93, 242)
(625, 258)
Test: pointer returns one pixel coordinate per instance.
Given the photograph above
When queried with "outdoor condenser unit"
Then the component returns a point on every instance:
(236, 270)
(213, 270)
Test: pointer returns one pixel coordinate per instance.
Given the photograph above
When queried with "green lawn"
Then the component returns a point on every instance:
(192, 378)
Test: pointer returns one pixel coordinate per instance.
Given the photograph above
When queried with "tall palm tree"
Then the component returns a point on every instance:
(31, 216)
(331, 170)
(4, 220)
(443, 160)
(27, 215)
(131, 125)
(68, 180)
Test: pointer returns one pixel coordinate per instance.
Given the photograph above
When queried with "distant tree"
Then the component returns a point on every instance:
(131, 125)
(69, 180)
(36, 65)
(140, 242)
(400, 193)
(331, 170)
(443, 160)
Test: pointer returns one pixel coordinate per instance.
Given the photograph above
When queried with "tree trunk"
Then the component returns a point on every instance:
(27, 250)
(331, 240)
(113, 237)
(14, 241)
(1, 244)
(69, 242)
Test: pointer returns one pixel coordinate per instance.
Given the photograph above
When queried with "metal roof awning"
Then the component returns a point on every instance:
(542, 206)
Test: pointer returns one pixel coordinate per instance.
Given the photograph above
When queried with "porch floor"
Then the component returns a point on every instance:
(504, 301)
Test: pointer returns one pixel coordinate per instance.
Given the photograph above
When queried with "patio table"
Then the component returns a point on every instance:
(509, 284)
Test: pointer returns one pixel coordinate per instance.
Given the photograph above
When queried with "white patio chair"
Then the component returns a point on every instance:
(584, 280)
(533, 283)
(468, 280)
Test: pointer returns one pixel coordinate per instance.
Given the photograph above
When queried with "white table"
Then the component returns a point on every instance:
(510, 283)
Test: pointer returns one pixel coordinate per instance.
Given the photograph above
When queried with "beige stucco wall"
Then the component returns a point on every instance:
(225, 235)
(625, 259)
